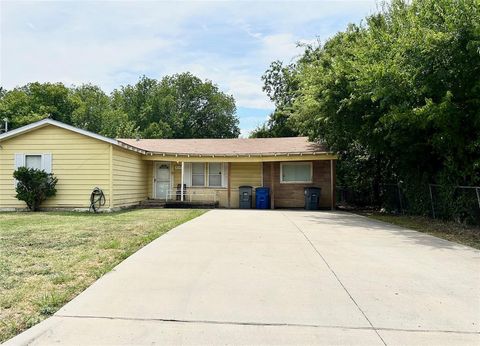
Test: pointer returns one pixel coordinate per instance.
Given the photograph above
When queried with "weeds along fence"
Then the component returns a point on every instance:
(456, 203)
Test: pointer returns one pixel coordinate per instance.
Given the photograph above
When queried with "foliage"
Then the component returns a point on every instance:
(278, 124)
(35, 101)
(178, 106)
(34, 186)
(398, 96)
(281, 86)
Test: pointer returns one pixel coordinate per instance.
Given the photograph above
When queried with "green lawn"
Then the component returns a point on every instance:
(466, 235)
(46, 259)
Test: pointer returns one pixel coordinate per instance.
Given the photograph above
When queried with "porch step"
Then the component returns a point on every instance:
(152, 203)
(191, 205)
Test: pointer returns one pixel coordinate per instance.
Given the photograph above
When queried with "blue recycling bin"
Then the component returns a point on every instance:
(262, 198)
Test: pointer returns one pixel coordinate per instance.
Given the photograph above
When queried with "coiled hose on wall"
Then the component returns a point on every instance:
(97, 199)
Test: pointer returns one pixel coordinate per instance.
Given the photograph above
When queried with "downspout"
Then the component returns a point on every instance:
(110, 199)
(182, 181)
(332, 185)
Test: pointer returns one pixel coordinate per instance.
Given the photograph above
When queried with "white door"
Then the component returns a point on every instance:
(162, 180)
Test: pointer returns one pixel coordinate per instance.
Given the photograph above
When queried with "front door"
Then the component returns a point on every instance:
(162, 180)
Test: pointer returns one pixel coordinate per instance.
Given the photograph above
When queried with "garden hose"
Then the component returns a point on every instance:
(97, 199)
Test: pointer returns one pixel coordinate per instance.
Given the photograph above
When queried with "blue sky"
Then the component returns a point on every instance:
(112, 43)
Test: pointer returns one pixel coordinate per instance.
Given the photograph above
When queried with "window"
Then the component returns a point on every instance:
(215, 174)
(198, 174)
(296, 172)
(33, 161)
(36, 161)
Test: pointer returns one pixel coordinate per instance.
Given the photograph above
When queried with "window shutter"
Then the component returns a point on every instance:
(19, 161)
(47, 162)
(187, 174)
(225, 174)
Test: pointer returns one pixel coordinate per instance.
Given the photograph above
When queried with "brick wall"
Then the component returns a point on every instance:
(292, 195)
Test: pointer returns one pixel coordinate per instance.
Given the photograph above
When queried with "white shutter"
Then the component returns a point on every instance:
(187, 174)
(19, 161)
(47, 162)
(225, 174)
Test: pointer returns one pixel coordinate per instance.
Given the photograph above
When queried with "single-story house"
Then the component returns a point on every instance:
(130, 171)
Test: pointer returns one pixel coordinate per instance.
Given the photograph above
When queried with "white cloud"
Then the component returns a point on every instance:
(248, 93)
(280, 47)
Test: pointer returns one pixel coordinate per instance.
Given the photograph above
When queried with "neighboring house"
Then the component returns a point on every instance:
(130, 171)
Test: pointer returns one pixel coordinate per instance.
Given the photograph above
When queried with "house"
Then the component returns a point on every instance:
(130, 171)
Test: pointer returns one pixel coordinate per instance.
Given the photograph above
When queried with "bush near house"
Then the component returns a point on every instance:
(34, 186)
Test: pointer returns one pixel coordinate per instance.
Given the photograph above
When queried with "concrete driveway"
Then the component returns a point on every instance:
(279, 277)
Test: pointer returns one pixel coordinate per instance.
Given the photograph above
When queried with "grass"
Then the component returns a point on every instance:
(46, 259)
(462, 234)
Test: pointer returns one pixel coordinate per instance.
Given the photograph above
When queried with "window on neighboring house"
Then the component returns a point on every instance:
(296, 172)
(33, 161)
(215, 174)
(198, 174)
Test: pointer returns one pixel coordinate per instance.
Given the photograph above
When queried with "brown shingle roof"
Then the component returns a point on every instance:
(228, 147)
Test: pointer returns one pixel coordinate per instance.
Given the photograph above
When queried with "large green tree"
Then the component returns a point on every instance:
(178, 106)
(36, 101)
(280, 83)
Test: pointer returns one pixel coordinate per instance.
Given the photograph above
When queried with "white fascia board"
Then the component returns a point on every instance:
(47, 121)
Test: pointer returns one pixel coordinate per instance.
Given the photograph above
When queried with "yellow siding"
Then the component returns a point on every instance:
(244, 173)
(130, 178)
(79, 162)
(176, 173)
(150, 178)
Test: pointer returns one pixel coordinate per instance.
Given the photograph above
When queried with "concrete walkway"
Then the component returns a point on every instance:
(279, 277)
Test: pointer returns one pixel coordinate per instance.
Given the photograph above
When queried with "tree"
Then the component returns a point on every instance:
(35, 101)
(34, 186)
(397, 97)
(281, 86)
(90, 105)
(178, 106)
(405, 87)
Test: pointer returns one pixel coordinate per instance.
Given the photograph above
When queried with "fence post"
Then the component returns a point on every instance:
(431, 199)
(400, 198)
(478, 196)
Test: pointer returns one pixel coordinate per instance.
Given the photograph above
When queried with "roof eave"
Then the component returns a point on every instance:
(302, 153)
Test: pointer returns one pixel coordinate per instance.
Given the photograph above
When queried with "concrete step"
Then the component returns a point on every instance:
(152, 203)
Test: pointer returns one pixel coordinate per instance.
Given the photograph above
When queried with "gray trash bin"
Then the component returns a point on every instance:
(312, 198)
(245, 196)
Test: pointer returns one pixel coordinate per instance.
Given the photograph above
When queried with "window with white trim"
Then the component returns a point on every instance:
(198, 174)
(215, 174)
(296, 172)
(33, 161)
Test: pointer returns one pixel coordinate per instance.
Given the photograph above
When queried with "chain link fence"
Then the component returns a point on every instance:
(456, 203)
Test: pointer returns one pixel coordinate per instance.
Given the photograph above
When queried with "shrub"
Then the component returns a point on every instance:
(34, 186)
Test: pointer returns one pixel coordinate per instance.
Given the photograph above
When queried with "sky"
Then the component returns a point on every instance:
(113, 43)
